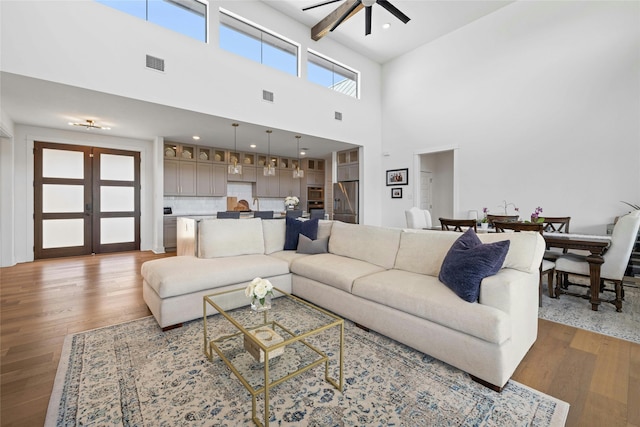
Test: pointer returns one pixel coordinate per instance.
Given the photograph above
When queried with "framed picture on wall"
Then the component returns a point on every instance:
(396, 193)
(398, 177)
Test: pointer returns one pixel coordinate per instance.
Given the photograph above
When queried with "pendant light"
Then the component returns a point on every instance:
(269, 169)
(234, 167)
(297, 172)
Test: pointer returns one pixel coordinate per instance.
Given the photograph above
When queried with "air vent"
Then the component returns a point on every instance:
(338, 115)
(155, 63)
(267, 96)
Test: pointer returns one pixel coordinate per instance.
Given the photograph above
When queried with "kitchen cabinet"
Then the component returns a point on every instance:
(179, 151)
(288, 185)
(170, 233)
(179, 178)
(268, 186)
(211, 179)
(348, 165)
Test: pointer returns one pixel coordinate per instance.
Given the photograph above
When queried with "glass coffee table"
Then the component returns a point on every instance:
(264, 349)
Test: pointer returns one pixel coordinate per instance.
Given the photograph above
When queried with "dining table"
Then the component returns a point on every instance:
(597, 246)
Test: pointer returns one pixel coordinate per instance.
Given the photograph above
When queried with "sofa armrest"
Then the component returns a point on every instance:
(511, 291)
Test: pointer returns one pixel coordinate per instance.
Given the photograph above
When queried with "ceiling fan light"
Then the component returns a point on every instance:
(368, 3)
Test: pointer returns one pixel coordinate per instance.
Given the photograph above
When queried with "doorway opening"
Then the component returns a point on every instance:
(86, 200)
(436, 183)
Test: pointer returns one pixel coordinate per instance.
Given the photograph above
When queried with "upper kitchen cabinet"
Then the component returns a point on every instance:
(313, 172)
(179, 178)
(179, 151)
(348, 165)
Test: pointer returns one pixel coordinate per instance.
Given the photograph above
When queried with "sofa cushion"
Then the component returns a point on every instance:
(423, 252)
(469, 261)
(375, 245)
(525, 249)
(426, 297)
(295, 227)
(324, 228)
(230, 237)
(287, 256)
(333, 270)
(311, 247)
(274, 232)
(184, 274)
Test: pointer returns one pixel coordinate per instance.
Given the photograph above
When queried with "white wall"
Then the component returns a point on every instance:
(23, 183)
(543, 100)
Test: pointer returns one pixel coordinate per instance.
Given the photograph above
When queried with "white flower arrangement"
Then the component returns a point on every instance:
(291, 201)
(258, 289)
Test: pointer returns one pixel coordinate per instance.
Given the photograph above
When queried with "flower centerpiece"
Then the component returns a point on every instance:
(535, 216)
(260, 291)
(484, 223)
(291, 202)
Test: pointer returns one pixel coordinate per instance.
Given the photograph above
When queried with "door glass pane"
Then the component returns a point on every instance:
(116, 168)
(62, 164)
(116, 199)
(62, 198)
(117, 230)
(62, 233)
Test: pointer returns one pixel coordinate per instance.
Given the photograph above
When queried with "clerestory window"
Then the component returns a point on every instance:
(188, 17)
(330, 74)
(258, 44)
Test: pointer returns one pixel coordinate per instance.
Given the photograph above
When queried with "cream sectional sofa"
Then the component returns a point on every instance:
(385, 279)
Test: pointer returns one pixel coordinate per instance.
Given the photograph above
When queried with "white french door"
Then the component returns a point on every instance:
(86, 200)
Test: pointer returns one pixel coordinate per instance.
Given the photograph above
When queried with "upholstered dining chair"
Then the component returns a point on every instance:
(504, 218)
(294, 213)
(263, 214)
(616, 258)
(228, 214)
(457, 224)
(546, 266)
(316, 213)
(418, 218)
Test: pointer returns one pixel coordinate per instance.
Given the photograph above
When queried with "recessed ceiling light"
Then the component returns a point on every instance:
(386, 26)
(196, 137)
(253, 146)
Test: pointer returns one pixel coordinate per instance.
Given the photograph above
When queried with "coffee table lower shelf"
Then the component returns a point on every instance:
(227, 347)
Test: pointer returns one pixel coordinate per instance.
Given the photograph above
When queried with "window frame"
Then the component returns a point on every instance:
(263, 31)
(311, 52)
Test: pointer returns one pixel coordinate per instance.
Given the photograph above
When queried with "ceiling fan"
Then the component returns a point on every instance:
(367, 5)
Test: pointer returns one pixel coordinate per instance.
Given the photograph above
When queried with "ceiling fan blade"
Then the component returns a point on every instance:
(394, 10)
(367, 24)
(345, 15)
(319, 4)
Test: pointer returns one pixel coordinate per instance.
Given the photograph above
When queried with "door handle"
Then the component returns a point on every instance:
(87, 209)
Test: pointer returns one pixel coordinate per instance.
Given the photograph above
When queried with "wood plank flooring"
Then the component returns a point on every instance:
(43, 301)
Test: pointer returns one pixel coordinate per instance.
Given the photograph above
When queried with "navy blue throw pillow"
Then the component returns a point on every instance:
(295, 227)
(469, 261)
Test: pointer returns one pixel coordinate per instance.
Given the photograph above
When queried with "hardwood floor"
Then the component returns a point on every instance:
(43, 301)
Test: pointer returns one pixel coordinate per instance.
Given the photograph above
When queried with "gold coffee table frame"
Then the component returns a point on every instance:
(211, 347)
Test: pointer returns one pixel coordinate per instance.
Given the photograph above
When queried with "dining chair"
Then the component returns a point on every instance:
(228, 214)
(418, 218)
(263, 214)
(294, 213)
(457, 224)
(504, 218)
(616, 258)
(546, 266)
(316, 213)
(555, 224)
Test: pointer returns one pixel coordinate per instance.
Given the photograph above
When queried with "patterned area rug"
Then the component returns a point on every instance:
(135, 374)
(576, 312)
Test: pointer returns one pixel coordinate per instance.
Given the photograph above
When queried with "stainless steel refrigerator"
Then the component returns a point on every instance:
(345, 201)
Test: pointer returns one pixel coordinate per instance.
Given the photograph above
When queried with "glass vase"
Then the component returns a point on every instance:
(257, 306)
